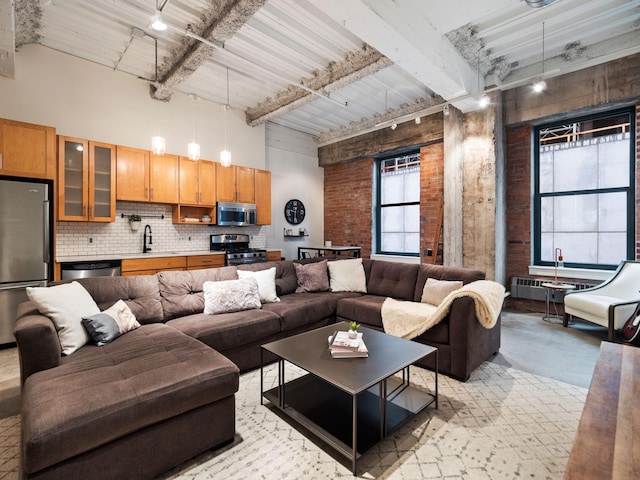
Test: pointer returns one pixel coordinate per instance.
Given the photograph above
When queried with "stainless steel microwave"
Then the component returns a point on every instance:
(235, 214)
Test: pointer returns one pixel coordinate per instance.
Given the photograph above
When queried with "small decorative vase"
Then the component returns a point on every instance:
(353, 334)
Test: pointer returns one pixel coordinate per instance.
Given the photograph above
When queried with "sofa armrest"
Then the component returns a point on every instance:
(38, 343)
(470, 342)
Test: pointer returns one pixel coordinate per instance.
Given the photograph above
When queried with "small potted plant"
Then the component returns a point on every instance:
(353, 329)
(134, 221)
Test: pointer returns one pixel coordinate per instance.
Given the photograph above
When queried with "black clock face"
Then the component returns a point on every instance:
(294, 211)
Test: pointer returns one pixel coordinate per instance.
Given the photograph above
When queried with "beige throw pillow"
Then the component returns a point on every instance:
(312, 277)
(266, 283)
(347, 276)
(65, 305)
(435, 291)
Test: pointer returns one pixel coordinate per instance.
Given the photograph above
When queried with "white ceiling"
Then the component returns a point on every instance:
(368, 61)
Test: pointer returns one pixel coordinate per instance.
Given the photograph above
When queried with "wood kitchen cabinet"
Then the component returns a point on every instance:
(235, 184)
(151, 266)
(274, 255)
(197, 182)
(197, 262)
(86, 180)
(263, 196)
(143, 177)
(27, 150)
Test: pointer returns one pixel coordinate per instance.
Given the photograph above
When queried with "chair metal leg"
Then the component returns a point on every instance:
(611, 337)
(565, 319)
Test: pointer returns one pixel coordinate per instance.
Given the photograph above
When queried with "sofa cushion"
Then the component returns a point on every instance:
(347, 276)
(312, 277)
(303, 309)
(439, 272)
(229, 330)
(365, 309)
(391, 279)
(141, 293)
(65, 305)
(100, 394)
(228, 296)
(105, 327)
(266, 283)
(182, 292)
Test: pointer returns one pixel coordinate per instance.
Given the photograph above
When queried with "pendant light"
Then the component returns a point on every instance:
(540, 84)
(484, 99)
(158, 143)
(193, 149)
(225, 155)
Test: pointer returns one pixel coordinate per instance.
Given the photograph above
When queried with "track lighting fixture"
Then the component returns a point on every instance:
(484, 100)
(445, 109)
(418, 120)
(394, 125)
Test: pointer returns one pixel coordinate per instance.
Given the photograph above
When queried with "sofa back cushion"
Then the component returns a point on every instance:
(181, 291)
(439, 272)
(141, 293)
(392, 279)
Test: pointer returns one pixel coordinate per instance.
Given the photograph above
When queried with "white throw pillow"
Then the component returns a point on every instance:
(65, 305)
(347, 276)
(435, 291)
(266, 283)
(231, 296)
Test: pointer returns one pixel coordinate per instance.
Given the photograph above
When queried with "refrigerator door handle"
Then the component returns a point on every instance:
(46, 249)
(21, 286)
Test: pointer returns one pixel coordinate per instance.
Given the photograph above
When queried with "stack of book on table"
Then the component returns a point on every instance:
(342, 346)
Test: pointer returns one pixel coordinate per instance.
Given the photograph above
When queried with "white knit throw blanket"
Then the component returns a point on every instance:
(410, 319)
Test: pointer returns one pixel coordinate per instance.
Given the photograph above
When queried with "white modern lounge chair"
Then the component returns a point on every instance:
(609, 304)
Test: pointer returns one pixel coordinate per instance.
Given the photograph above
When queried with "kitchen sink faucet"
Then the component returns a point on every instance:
(145, 248)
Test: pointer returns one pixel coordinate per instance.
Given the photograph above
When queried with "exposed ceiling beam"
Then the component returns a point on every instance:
(354, 66)
(409, 41)
(222, 21)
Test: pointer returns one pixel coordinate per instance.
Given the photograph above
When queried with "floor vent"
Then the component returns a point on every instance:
(531, 288)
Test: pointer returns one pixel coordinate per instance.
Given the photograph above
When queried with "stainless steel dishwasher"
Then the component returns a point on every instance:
(97, 268)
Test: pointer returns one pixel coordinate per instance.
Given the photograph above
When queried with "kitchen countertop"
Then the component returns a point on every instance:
(151, 254)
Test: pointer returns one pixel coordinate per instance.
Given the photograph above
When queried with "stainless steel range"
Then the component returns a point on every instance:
(236, 247)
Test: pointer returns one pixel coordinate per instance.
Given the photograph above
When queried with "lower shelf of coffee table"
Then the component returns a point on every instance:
(326, 411)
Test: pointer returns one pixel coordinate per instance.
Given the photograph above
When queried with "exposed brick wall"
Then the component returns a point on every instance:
(431, 197)
(348, 204)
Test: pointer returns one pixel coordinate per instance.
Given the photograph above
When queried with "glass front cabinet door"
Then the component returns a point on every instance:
(86, 180)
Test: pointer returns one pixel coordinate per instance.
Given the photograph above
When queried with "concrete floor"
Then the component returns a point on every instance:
(528, 343)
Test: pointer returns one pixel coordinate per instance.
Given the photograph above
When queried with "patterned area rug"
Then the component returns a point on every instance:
(501, 424)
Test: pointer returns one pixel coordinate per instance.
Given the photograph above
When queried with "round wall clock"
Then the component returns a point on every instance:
(294, 211)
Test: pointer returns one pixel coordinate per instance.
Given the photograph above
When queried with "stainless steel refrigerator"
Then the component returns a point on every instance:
(25, 239)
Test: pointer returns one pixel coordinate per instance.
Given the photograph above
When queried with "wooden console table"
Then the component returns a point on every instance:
(607, 443)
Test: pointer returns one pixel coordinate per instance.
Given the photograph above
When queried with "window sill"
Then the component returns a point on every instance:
(579, 273)
(396, 258)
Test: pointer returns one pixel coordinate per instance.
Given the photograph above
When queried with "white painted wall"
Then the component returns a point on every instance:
(292, 158)
(86, 100)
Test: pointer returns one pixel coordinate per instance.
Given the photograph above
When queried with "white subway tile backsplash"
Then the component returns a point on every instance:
(88, 238)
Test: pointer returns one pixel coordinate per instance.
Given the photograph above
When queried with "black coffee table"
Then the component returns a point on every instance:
(350, 403)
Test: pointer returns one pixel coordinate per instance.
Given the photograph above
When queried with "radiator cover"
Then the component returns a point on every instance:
(531, 288)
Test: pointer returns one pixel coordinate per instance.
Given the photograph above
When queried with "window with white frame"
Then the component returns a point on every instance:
(398, 205)
(584, 191)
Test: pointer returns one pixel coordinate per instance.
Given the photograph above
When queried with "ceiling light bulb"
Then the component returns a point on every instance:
(417, 120)
(484, 100)
(394, 125)
(158, 145)
(445, 109)
(157, 23)
(539, 86)
(193, 150)
(225, 158)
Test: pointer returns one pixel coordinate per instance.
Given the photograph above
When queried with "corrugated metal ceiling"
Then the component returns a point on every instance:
(432, 49)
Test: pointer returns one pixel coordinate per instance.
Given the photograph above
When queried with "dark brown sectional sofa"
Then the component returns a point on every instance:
(164, 392)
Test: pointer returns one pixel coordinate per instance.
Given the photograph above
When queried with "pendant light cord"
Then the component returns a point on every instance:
(226, 107)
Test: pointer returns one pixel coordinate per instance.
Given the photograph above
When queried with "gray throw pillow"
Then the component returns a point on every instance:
(104, 327)
(312, 277)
